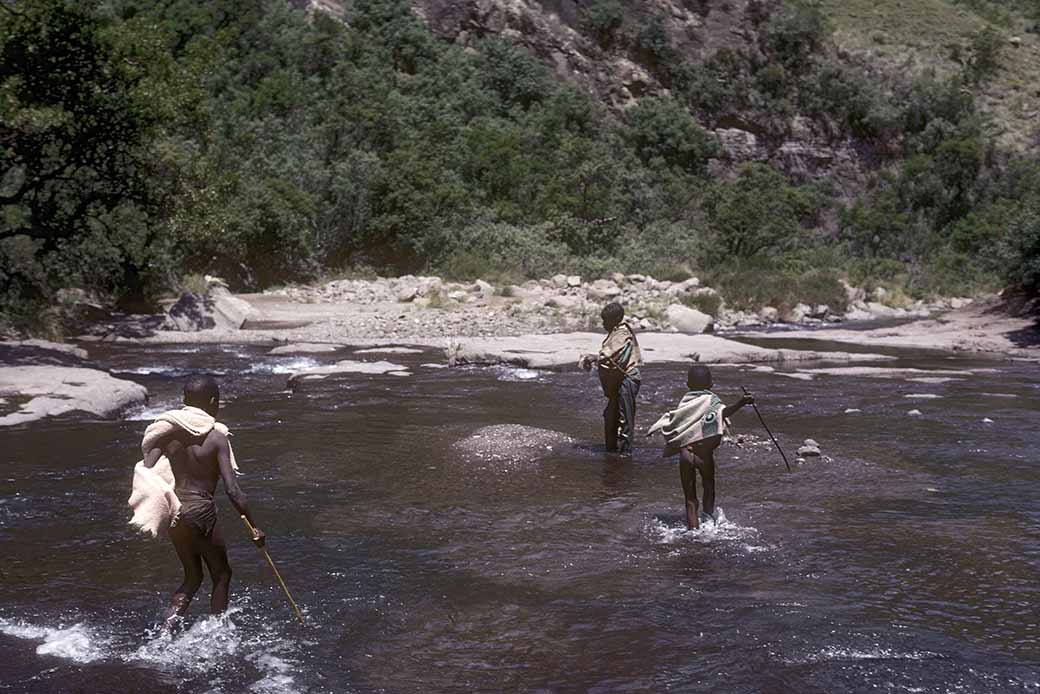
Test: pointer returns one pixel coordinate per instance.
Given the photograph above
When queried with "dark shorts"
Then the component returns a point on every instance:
(198, 510)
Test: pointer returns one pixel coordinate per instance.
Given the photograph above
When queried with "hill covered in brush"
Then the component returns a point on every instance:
(797, 142)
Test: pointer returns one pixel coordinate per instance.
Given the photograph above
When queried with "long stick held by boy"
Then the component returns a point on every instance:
(694, 429)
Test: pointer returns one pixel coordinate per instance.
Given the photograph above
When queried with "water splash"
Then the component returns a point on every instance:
(77, 642)
(720, 530)
(285, 366)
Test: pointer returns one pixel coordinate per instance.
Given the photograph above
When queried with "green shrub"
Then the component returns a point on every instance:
(749, 285)
(603, 19)
(661, 130)
(706, 303)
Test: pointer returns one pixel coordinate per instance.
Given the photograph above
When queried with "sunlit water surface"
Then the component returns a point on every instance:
(906, 560)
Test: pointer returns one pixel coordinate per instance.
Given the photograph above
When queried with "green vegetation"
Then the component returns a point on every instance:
(143, 142)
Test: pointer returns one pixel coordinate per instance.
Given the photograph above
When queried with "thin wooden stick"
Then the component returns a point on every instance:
(775, 443)
(277, 575)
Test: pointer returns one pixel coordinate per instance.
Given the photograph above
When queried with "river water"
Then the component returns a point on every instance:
(906, 560)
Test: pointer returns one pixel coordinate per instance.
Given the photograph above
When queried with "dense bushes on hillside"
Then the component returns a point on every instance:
(145, 140)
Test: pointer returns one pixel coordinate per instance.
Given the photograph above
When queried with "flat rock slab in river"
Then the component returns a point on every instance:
(882, 372)
(57, 390)
(306, 348)
(511, 443)
(349, 366)
(563, 349)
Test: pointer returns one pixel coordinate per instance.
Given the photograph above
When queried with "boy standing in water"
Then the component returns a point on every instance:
(618, 365)
(694, 430)
(199, 455)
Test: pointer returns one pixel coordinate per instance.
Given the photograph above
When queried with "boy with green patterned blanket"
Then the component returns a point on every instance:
(694, 430)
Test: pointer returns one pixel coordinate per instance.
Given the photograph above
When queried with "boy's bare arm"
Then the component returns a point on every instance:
(746, 399)
(234, 492)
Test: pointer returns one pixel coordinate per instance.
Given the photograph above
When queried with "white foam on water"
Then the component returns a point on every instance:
(517, 373)
(831, 653)
(174, 371)
(77, 642)
(148, 413)
(719, 530)
(284, 367)
(212, 646)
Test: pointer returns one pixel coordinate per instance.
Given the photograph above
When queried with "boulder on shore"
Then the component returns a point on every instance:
(218, 308)
(688, 320)
(49, 391)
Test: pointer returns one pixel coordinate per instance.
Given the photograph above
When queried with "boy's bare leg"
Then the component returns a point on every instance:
(184, 542)
(215, 553)
(707, 470)
(689, 485)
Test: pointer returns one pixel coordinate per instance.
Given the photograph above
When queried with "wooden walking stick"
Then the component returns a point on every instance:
(775, 442)
(277, 575)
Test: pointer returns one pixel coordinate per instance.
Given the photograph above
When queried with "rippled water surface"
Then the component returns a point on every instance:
(906, 560)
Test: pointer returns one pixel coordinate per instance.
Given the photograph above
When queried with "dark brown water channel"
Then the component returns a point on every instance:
(906, 561)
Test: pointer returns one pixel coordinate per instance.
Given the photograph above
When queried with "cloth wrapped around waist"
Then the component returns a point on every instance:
(197, 509)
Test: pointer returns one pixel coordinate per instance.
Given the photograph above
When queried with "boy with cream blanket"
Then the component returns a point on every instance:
(694, 430)
(186, 452)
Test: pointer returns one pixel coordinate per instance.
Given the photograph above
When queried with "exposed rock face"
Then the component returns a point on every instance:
(55, 390)
(511, 443)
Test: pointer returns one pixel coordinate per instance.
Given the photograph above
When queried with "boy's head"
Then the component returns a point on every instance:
(202, 392)
(699, 377)
(612, 314)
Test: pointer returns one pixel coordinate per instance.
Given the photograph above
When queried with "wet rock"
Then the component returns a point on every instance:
(49, 391)
(987, 420)
(809, 449)
(688, 320)
(914, 413)
(852, 410)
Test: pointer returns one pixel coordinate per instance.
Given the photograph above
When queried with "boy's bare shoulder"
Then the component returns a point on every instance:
(216, 439)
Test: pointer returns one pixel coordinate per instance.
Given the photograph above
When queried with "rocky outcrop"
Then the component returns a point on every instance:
(47, 391)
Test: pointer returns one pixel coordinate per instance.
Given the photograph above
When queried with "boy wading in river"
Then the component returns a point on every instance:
(694, 430)
(618, 365)
(199, 455)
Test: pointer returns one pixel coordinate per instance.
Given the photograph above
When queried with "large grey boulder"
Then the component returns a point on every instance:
(48, 391)
(218, 308)
(688, 320)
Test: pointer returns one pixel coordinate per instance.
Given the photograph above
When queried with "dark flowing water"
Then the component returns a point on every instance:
(906, 562)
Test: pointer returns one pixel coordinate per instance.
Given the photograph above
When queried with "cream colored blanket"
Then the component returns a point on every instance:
(697, 417)
(154, 503)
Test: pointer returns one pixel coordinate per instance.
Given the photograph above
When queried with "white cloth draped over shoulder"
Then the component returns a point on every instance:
(152, 498)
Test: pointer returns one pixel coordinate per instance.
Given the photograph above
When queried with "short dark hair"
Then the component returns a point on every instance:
(698, 377)
(612, 313)
(200, 391)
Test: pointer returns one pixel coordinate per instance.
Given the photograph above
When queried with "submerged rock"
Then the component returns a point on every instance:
(348, 366)
(511, 443)
(809, 449)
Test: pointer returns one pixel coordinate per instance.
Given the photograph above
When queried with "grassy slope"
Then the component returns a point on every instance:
(921, 34)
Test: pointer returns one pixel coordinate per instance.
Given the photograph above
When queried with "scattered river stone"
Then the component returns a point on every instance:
(511, 443)
(809, 449)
